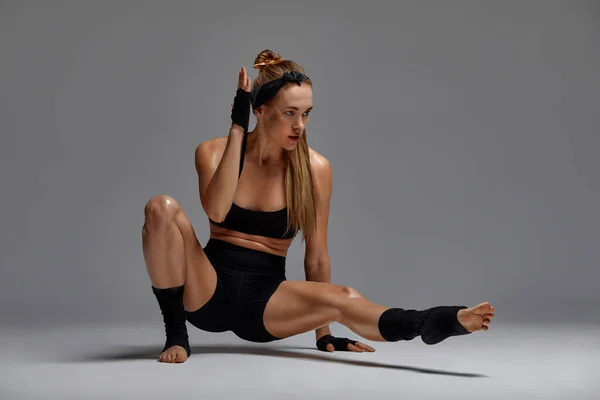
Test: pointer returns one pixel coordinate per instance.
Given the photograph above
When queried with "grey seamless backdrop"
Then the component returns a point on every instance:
(463, 138)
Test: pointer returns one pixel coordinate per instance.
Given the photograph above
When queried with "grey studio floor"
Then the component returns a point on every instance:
(119, 361)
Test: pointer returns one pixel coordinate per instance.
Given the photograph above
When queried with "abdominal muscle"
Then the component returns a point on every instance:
(261, 243)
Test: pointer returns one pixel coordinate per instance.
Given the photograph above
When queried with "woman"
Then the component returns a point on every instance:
(258, 190)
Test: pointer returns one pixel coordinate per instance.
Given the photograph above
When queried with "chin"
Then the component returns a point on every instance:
(287, 145)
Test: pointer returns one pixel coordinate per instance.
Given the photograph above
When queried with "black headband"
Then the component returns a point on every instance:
(264, 93)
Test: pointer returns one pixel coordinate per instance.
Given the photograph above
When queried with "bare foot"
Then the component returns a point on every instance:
(476, 318)
(174, 354)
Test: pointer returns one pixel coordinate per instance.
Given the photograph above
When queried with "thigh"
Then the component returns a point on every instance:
(253, 295)
(217, 315)
(200, 275)
(300, 306)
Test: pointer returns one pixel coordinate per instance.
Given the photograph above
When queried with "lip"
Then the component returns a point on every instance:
(294, 138)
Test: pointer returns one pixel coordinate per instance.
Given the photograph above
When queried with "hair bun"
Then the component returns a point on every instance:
(265, 58)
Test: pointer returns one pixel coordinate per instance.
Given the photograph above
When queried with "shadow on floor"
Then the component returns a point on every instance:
(131, 353)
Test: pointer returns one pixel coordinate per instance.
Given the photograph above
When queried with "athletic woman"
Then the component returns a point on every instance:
(259, 189)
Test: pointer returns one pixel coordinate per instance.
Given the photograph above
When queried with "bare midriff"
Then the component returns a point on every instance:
(269, 245)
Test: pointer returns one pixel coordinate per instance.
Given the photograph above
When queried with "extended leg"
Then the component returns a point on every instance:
(301, 306)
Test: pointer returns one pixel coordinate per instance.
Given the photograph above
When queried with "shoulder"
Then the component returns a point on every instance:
(317, 161)
(210, 152)
(321, 169)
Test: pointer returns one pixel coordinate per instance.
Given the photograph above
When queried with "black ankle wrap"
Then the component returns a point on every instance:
(170, 301)
(433, 325)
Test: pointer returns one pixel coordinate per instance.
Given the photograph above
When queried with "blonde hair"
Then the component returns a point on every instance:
(300, 197)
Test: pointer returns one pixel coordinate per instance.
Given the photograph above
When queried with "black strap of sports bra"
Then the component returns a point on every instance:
(243, 153)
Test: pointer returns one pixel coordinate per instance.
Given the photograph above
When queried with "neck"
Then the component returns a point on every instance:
(262, 150)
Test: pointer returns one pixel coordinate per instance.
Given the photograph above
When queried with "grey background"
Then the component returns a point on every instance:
(463, 139)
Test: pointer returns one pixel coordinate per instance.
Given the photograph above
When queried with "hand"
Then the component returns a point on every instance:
(330, 343)
(244, 80)
(240, 109)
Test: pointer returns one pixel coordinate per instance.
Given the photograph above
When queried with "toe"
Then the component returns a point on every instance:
(483, 308)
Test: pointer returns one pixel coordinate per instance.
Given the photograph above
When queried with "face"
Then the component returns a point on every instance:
(286, 115)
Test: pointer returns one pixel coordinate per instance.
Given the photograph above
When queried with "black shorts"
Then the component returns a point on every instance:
(246, 279)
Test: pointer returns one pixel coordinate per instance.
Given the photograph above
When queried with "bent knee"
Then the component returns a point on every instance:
(159, 210)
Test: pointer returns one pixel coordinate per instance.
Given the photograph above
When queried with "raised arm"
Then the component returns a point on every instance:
(218, 171)
(218, 174)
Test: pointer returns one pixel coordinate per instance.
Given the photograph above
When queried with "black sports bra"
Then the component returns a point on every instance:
(271, 224)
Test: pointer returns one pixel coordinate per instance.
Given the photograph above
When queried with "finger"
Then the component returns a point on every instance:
(365, 347)
(352, 347)
(330, 348)
(240, 78)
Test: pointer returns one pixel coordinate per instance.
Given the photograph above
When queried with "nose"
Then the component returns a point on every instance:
(298, 128)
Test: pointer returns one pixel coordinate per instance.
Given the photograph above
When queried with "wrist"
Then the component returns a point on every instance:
(322, 331)
(236, 131)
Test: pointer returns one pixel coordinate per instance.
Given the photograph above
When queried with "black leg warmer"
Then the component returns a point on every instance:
(170, 301)
(433, 325)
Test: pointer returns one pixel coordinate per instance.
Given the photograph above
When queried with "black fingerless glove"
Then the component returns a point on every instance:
(339, 344)
(240, 113)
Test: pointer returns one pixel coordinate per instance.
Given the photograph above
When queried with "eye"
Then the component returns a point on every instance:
(306, 113)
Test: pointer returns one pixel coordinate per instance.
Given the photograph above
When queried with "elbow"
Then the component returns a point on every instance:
(218, 219)
(215, 215)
